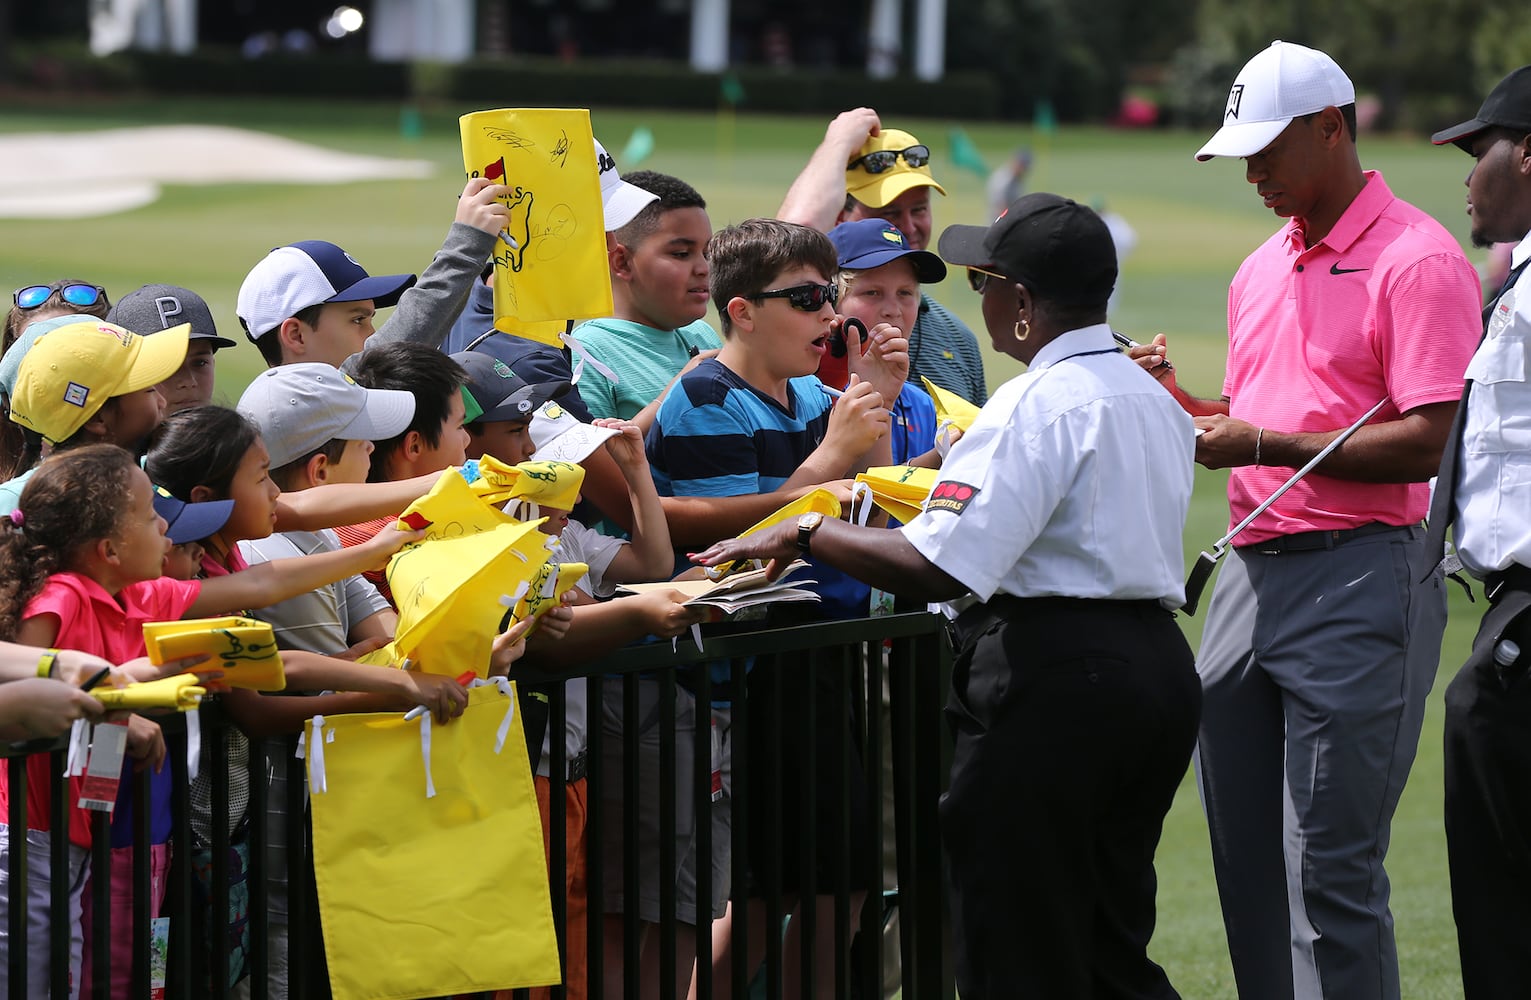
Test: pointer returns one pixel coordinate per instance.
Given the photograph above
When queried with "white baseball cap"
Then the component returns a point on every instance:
(1284, 82)
(301, 408)
(308, 273)
(620, 200)
(560, 436)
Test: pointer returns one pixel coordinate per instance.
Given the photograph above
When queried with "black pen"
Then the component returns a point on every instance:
(1129, 343)
(96, 678)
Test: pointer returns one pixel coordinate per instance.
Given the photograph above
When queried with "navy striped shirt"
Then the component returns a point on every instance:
(717, 436)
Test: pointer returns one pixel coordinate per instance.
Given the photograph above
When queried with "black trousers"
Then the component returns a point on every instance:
(1488, 805)
(1074, 724)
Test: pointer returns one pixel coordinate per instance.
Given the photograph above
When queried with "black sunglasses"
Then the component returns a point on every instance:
(978, 278)
(808, 298)
(74, 293)
(884, 160)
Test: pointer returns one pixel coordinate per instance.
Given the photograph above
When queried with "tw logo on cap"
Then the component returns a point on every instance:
(605, 162)
(1235, 98)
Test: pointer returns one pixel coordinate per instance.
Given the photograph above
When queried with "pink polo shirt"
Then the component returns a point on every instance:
(1385, 305)
(92, 621)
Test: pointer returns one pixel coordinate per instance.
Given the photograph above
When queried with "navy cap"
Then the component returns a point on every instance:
(869, 243)
(190, 522)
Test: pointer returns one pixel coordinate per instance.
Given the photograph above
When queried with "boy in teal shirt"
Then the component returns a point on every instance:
(659, 290)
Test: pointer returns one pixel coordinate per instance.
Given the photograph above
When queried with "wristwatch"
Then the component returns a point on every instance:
(806, 525)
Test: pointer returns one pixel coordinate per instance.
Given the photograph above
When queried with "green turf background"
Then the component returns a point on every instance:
(1195, 222)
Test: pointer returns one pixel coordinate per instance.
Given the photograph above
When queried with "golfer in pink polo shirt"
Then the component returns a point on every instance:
(1321, 642)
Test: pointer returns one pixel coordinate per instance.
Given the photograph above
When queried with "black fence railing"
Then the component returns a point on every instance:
(824, 723)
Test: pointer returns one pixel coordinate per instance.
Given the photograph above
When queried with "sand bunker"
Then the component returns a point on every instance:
(76, 175)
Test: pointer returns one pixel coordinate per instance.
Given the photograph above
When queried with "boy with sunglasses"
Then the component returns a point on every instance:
(756, 421)
(864, 171)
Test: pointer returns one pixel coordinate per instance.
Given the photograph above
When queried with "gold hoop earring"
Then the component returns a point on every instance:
(1022, 329)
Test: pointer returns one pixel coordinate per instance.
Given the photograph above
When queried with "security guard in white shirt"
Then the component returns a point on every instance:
(1075, 700)
(1485, 487)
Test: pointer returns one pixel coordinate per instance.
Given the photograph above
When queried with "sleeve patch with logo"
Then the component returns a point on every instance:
(951, 496)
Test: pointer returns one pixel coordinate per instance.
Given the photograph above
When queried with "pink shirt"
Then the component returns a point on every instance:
(91, 621)
(1385, 305)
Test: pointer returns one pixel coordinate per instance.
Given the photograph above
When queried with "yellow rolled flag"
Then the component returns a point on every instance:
(181, 693)
(550, 265)
(546, 483)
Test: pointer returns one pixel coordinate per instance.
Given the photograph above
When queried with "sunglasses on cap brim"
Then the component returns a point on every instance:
(978, 278)
(883, 160)
(809, 297)
(75, 294)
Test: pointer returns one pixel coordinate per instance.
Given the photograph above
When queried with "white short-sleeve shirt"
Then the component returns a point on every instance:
(1073, 481)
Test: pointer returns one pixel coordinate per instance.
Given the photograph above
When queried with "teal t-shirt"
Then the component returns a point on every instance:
(645, 360)
(10, 491)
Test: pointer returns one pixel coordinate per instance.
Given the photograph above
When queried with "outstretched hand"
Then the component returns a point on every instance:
(885, 363)
(778, 544)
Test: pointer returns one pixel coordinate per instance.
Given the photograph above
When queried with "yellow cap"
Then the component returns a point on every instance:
(72, 371)
(877, 190)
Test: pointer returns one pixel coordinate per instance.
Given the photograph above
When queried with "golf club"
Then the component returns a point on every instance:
(1207, 561)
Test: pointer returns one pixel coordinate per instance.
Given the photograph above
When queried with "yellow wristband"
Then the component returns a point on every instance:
(47, 662)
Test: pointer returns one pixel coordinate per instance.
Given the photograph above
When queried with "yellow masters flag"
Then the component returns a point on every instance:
(550, 265)
(820, 500)
(428, 852)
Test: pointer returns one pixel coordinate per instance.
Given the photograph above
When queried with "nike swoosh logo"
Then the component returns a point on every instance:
(1337, 269)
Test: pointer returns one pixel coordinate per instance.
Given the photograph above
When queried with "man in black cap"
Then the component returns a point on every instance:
(1485, 488)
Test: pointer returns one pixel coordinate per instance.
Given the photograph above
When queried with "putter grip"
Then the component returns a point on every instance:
(1197, 581)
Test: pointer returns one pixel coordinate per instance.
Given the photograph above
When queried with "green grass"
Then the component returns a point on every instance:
(1195, 222)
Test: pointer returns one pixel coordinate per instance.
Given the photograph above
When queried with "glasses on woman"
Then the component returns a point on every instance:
(809, 297)
(74, 293)
(978, 278)
(884, 160)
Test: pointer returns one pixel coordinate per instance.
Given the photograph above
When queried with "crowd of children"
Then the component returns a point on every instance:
(133, 494)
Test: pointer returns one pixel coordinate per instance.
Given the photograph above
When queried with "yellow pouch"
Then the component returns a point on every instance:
(557, 269)
(452, 587)
(428, 852)
(243, 648)
(950, 407)
(180, 693)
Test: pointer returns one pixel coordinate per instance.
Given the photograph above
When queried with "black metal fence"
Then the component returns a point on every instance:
(873, 685)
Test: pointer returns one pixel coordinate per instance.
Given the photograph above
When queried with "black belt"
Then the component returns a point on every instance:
(1514, 577)
(1002, 607)
(1312, 541)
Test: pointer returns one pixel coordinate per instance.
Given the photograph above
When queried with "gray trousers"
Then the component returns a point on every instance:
(1314, 667)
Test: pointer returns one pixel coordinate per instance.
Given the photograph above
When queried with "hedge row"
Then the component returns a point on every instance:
(522, 80)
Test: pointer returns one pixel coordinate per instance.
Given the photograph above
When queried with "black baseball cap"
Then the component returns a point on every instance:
(1056, 247)
(496, 392)
(153, 308)
(1508, 105)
